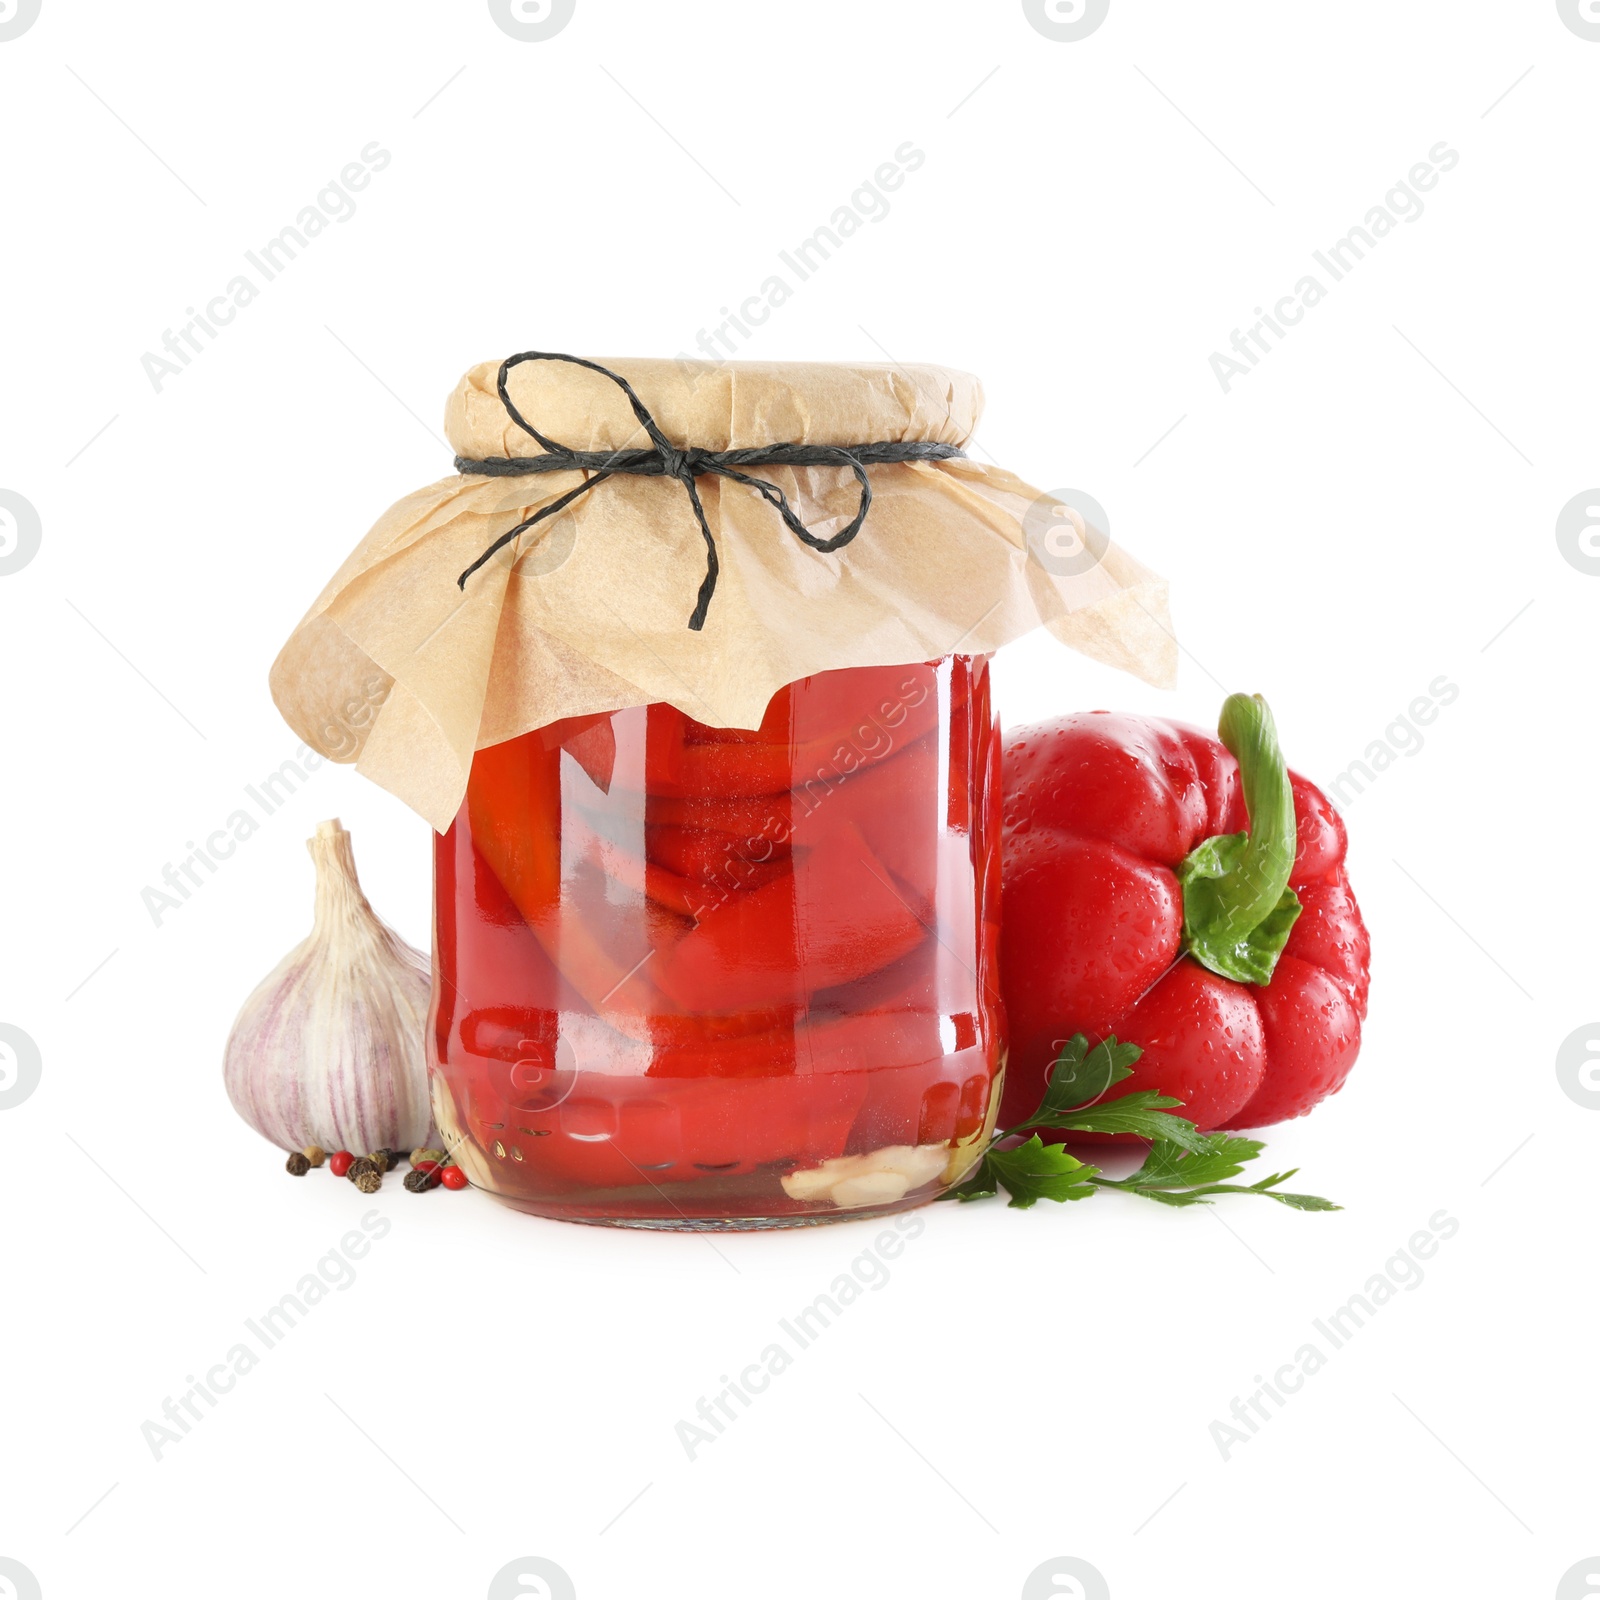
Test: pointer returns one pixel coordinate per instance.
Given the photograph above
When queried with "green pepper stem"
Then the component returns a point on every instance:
(1247, 729)
(1237, 906)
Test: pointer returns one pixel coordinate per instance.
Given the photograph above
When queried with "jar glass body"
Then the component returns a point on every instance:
(696, 977)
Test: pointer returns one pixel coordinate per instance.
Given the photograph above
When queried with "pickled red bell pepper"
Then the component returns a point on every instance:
(837, 916)
(1187, 895)
(514, 811)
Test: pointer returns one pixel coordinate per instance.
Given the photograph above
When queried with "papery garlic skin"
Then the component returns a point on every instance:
(329, 1048)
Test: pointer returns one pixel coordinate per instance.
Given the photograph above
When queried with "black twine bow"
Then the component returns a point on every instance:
(666, 460)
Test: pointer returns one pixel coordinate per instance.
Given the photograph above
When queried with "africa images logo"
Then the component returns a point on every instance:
(21, 532)
(21, 1066)
(1065, 1578)
(1067, 532)
(1066, 21)
(15, 1579)
(547, 1581)
(532, 21)
(1582, 16)
(16, 17)
(1577, 532)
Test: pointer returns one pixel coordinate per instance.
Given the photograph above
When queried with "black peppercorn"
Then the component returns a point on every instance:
(297, 1166)
(362, 1167)
(416, 1182)
(369, 1182)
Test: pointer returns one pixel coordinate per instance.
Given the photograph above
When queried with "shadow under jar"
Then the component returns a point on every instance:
(697, 977)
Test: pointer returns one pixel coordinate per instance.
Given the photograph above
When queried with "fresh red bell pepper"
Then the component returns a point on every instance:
(1187, 895)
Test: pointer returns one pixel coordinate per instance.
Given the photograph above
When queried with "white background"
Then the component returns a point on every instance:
(1373, 507)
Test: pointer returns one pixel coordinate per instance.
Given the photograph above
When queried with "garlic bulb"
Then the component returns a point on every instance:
(328, 1050)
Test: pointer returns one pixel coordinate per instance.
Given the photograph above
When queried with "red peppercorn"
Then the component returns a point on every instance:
(339, 1163)
(425, 1166)
(453, 1178)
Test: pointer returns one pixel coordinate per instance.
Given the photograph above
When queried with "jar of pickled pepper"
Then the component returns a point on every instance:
(691, 976)
(716, 897)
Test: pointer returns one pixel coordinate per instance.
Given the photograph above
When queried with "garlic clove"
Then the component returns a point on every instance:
(452, 1135)
(871, 1189)
(808, 1185)
(329, 1048)
(878, 1177)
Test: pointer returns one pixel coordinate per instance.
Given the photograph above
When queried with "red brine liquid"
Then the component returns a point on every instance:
(701, 977)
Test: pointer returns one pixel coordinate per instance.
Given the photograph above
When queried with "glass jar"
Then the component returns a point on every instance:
(700, 977)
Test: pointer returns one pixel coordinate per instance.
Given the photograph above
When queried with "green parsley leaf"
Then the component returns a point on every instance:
(979, 1184)
(1162, 1183)
(1081, 1076)
(1038, 1171)
(1143, 1113)
(1217, 1157)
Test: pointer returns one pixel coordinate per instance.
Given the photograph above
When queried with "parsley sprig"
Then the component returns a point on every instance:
(1183, 1168)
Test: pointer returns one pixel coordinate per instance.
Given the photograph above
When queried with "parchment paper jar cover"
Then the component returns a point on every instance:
(397, 669)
